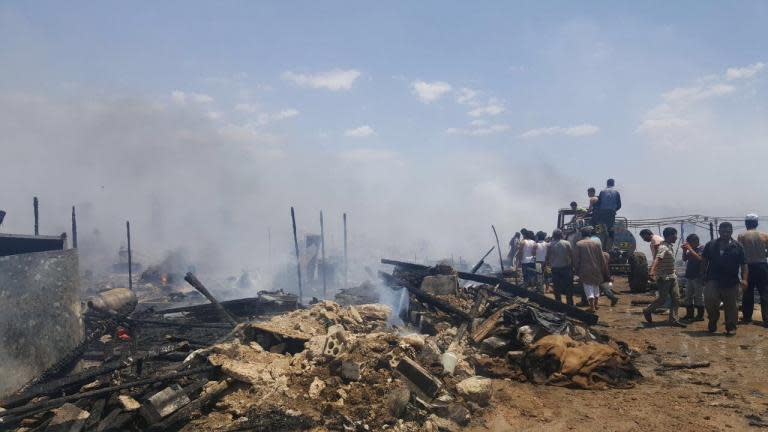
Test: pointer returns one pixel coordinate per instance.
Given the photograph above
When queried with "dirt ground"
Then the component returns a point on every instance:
(723, 397)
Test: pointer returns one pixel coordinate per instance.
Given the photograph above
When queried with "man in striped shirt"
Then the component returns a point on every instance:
(663, 270)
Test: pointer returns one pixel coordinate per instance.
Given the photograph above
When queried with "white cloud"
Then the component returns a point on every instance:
(745, 72)
(492, 108)
(267, 118)
(181, 97)
(364, 155)
(685, 112)
(480, 128)
(430, 91)
(573, 131)
(360, 132)
(691, 94)
(214, 115)
(466, 96)
(246, 107)
(657, 124)
(335, 80)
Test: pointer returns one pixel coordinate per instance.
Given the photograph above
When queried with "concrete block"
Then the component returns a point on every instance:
(40, 314)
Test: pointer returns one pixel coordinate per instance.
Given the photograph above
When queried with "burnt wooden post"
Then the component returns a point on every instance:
(296, 244)
(74, 229)
(37, 216)
(346, 258)
(269, 249)
(130, 262)
(322, 255)
(711, 231)
(498, 247)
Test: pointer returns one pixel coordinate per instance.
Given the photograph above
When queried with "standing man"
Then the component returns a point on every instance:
(589, 264)
(541, 257)
(723, 258)
(592, 200)
(526, 257)
(608, 203)
(694, 274)
(663, 271)
(513, 245)
(560, 260)
(654, 239)
(755, 244)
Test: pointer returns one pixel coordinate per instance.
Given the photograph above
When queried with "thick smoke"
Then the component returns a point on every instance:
(222, 192)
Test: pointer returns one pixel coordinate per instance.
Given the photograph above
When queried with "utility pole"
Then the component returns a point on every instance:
(130, 262)
(346, 259)
(296, 244)
(37, 216)
(74, 229)
(498, 247)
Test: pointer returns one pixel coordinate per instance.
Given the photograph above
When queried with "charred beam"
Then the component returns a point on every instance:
(196, 284)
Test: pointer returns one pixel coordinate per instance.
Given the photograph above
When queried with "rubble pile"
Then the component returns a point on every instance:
(325, 367)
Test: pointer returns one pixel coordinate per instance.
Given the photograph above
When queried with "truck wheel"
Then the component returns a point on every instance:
(638, 272)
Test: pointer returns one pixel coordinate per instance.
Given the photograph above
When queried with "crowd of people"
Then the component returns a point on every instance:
(716, 273)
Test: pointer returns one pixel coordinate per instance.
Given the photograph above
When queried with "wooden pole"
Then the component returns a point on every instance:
(74, 229)
(322, 256)
(130, 261)
(346, 258)
(269, 250)
(711, 231)
(296, 244)
(498, 247)
(37, 216)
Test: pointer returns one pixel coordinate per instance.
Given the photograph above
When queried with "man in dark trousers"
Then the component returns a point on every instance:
(755, 244)
(723, 258)
(694, 288)
(663, 271)
(560, 260)
(608, 203)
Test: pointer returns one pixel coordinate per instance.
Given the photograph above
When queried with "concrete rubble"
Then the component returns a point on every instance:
(322, 367)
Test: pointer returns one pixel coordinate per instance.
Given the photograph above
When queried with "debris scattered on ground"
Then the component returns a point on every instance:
(330, 366)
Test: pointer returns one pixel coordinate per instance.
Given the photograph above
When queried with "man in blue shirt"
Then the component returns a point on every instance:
(724, 258)
(608, 203)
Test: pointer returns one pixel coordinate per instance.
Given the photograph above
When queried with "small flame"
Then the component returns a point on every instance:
(164, 279)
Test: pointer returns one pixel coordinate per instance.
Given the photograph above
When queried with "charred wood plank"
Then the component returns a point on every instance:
(430, 299)
(511, 288)
(196, 284)
(8, 415)
(56, 386)
(540, 299)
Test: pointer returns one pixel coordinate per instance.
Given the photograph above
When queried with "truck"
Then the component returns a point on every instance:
(625, 259)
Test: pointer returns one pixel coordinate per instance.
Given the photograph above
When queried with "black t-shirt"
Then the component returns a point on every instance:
(724, 263)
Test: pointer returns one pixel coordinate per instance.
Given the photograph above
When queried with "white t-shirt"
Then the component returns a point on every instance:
(528, 256)
(541, 251)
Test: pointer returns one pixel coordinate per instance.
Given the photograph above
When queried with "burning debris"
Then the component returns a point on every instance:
(229, 366)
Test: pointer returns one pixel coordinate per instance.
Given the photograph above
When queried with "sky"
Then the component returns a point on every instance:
(203, 122)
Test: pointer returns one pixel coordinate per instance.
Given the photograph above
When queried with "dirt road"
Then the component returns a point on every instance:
(726, 396)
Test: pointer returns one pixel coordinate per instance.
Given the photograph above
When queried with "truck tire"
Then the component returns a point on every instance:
(638, 272)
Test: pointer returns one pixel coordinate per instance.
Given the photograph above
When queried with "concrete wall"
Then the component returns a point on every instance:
(40, 316)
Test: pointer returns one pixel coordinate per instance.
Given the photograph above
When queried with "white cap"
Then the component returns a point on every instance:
(751, 217)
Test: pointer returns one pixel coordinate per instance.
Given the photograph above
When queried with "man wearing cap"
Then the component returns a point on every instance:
(663, 271)
(723, 258)
(755, 244)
